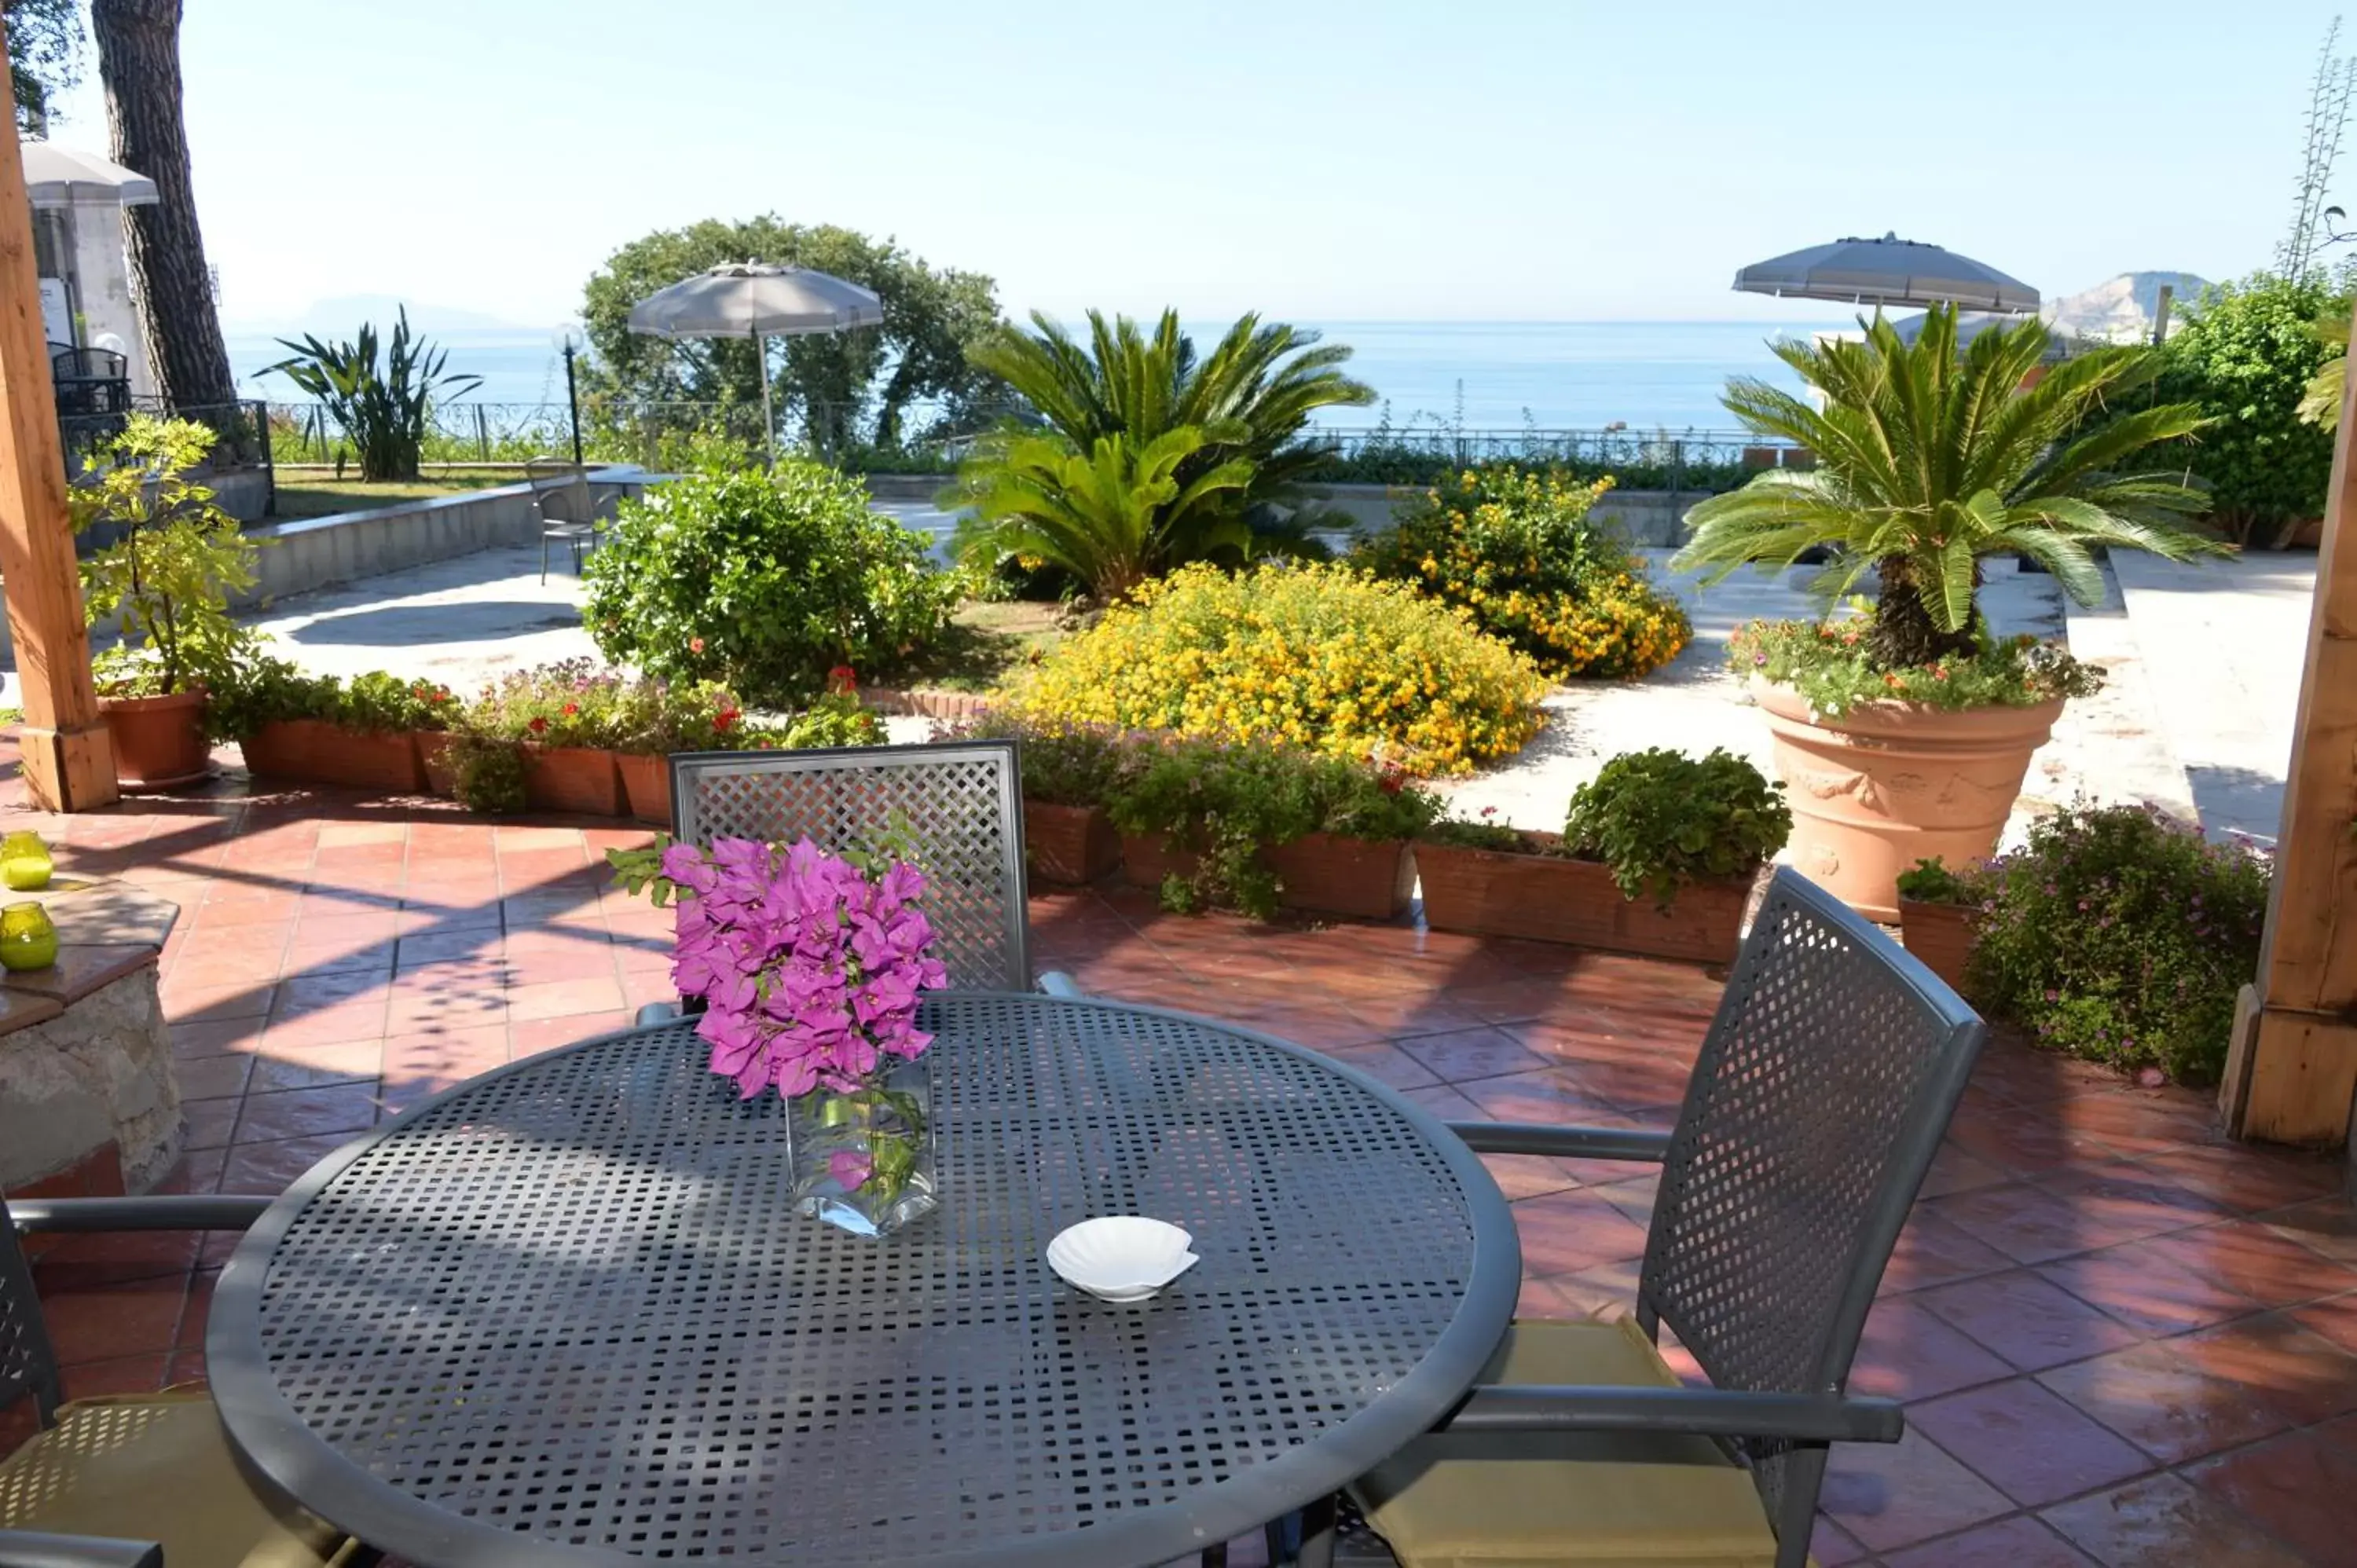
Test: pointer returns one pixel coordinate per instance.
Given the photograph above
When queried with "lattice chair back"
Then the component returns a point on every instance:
(1819, 1099)
(28, 1363)
(961, 805)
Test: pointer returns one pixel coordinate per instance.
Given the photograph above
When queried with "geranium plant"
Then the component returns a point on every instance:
(809, 966)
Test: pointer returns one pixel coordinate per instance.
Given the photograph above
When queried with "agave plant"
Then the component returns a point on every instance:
(381, 414)
(1246, 403)
(1929, 458)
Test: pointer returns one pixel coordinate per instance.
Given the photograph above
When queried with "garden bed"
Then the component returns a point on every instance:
(1553, 898)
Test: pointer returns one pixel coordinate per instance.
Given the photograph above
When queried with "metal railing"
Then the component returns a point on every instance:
(1659, 458)
(241, 432)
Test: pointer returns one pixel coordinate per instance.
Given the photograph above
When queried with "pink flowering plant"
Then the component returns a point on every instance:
(809, 966)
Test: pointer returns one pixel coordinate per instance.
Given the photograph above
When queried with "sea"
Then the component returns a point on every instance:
(1428, 375)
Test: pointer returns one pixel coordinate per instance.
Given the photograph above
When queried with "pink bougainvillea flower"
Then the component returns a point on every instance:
(850, 1169)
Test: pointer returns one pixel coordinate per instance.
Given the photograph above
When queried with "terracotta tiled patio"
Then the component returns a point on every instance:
(2119, 1339)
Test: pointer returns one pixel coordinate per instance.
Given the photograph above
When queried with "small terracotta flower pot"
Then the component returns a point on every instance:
(646, 783)
(1330, 875)
(1073, 844)
(159, 742)
(1551, 898)
(571, 779)
(434, 758)
(1942, 935)
(314, 751)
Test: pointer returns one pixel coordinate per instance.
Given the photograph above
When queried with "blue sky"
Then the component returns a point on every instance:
(1467, 160)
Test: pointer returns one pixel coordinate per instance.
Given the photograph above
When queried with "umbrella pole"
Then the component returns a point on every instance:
(769, 419)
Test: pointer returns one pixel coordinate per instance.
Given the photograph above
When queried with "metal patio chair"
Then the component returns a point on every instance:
(961, 803)
(568, 507)
(157, 1465)
(1819, 1098)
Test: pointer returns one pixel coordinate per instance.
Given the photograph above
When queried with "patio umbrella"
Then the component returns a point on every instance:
(1889, 270)
(749, 299)
(60, 177)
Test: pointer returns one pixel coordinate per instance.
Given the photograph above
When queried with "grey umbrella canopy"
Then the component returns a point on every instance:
(749, 299)
(1889, 272)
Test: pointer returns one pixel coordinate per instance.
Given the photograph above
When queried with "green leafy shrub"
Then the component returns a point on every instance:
(263, 688)
(573, 703)
(1227, 803)
(838, 718)
(1831, 664)
(1518, 551)
(1932, 882)
(170, 575)
(381, 703)
(763, 581)
(1660, 819)
(487, 775)
(382, 413)
(2121, 936)
(1322, 657)
(2245, 354)
(1064, 763)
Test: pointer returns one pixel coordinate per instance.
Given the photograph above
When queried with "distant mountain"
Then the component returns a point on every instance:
(341, 316)
(2121, 310)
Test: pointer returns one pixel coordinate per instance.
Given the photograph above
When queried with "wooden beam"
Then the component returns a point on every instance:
(69, 759)
(2302, 1048)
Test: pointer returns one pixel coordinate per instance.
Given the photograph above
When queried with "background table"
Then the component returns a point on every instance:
(564, 1313)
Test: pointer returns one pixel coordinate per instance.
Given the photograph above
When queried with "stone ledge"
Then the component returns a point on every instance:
(103, 913)
(80, 968)
(95, 1074)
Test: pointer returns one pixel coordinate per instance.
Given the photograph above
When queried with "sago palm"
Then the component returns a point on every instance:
(1929, 458)
(1111, 516)
(1250, 398)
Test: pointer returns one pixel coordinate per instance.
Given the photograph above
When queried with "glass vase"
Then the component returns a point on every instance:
(28, 940)
(864, 1161)
(25, 863)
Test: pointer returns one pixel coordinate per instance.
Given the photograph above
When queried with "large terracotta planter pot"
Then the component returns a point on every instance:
(317, 752)
(1549, 899)
(1073, 844)
(646, 784)
(1318, 873)
(1942, 935)
(159, 742)
(1330, 875)
(1889, 784)
(434, 758)
(571, 779)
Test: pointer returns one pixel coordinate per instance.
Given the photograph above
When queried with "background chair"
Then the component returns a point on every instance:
(959, 803)
(1819, 1098)
(156, 1464)
(567, 506)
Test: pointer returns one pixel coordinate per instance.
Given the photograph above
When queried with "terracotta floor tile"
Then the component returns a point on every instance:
(359, 1018)
(337, 956)
(1553, 1097)
(1528, 1175)
(2278, 1362)
(2033, 1222)
(1831, 1546)
(211, 1078)
(210, 1123)
(530, 1038)
(2016, 1543)
(123, 1375)
(564, 999)
(1890, 1495)
(1384, 1063)
(2151, 1396)
(2324, 1225)
(296, 1113)
(1933, 1252)
(1564, 1232)
(1465, 1054)
(1906, 1353)
(2297, 1486)
(312, 993)
(1956, 1171)
(88, 1260)
(270, 1168)
(214, 1036)
(102, 1323)
(282, 1065)
(2270, 1268)
(2149, 1294)
(2162, 1521)
(2335, 1319)
(2031, 1322)
(2245, 1177)
(190, 1003)
(2028, 1443)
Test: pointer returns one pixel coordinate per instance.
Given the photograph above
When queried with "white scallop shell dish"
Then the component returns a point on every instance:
(1122, 1257)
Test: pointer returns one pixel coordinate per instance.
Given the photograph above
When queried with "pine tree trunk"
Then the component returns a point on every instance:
(1904, 633)
(139, 62)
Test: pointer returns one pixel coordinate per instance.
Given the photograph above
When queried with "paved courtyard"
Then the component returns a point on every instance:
(2119, 1340)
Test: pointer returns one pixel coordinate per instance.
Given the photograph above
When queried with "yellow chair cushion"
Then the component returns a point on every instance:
(157, 1467)
(1529, 1501)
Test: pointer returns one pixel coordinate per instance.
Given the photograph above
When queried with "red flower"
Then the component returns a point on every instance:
(571, 709)
(538, 727)
(723, 718)
(695, 645)
(843, 678)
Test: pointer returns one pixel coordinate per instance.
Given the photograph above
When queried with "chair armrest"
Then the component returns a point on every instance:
(163, 1212)
(654, 1013)
(1056, 983)
(39, 1549)
(1562, 1143)
(1711, 1412)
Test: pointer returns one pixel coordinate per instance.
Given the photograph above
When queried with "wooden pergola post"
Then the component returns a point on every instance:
(2292, 1074)
(69, 759)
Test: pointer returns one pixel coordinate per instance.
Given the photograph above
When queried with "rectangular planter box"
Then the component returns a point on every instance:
(571, 779)
(646, 786)
(433, 754)
(1073, 844)
(1547, 898)
(1941, 934)
(1320, 873)
(316, 751)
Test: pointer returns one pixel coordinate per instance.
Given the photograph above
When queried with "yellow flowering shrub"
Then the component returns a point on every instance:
(1516, 549)
(1317, 656)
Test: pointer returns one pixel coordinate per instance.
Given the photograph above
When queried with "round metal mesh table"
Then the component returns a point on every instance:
(564, 1313)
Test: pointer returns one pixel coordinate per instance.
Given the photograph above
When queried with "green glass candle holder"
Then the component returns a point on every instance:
(25, 863)
(28, 940)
